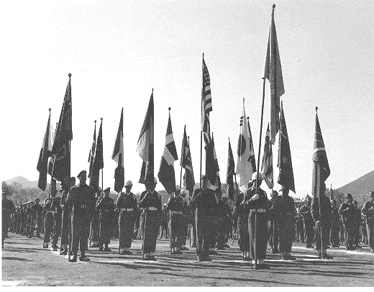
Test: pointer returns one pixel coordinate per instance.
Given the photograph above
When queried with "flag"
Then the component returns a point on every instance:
(252, 159)
(267, 161)
(273, 72)
(166, 173)
(230, 173)
(91, 155)
(245, 166)
(186, 163)
(60, 169)
(211, 165)
(145, 145)
(206, 104)
(285, 177)
(117, 156)
(45, 153)
(98, 162)
(321, 168)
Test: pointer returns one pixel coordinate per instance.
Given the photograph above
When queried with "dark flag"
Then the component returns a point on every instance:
(285, 177)
(45, 153)
(321, 168)
(91, 155)
(206, 104)
(145, 145)
(98, 162)
(211, 166)
(186, 163)
(117, 156)
(273, 72)
(267, 161)
(60, 169)
(166, 173)
(230, 174)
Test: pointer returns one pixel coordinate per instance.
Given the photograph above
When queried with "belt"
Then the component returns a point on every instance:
(176, 212)
(83, 206)
(51, 212)
(152, 209)
(127, 209)
(258, 210)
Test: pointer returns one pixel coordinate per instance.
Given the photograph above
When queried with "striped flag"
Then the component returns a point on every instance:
(230, 173)
(245, 166)
(145, 145)
(186, 163)
(273, 72)
(91, 155)
(117, 156)
(98, 162)
(321, 168)
(166, 173)
(206, 104)
(285, 177)
(45, 153)
(267, 161)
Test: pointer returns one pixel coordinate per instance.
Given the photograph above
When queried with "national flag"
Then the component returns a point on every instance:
(166, 173)
(186, 163)
(45, 153)
(321, 168)
(91, 155)
(98, 162)
(206, 104)
(117, 156)
(267, 161)
(285, 177)
(145, 145)
(245, 166)
(211, 165)
(273, 72)
(61, 160)
(230, 174)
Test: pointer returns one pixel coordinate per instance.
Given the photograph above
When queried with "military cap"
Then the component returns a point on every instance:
(183, 191)
(371, 194)
(37, 199)
(81, 173)
(128, 183)
(348, 196)
(255, 175)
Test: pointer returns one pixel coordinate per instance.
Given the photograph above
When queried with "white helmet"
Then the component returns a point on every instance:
(128, 183)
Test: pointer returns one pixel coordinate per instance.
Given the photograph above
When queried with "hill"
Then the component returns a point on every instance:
(23, 182)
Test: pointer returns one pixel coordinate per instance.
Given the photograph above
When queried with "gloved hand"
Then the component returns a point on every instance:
(255, 197)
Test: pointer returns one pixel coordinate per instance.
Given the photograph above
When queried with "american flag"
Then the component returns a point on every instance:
(206, 104)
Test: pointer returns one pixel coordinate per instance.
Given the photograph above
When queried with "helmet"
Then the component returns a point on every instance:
(128, 183)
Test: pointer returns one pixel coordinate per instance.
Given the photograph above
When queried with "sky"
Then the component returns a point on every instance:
(117, 51)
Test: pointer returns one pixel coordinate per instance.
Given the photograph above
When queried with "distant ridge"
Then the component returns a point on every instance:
(23, 181)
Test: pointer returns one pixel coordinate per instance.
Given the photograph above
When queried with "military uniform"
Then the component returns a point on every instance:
(299, 228)
(94, 226)
(347, 212)
(335, 225)
(38, 212)
(57, 218)
(8, 208)
(48, 222)
(105, 206)
(308, 224)
(30, 220)
(274, 223)
(127, 206)
(223, 223)
(81, 202)
(368, 212)
(242, 223)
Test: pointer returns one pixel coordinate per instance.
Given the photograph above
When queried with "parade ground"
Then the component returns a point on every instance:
(26, 263)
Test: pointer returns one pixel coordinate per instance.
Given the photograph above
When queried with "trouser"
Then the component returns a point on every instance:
(65, 227)
(274, 234)
(48, 227)
(176, 230)
(126, 228)
(334, 233)
(94, 228)
(105, 228)
(204, 232)
(325, 237)
(80, 233)
(370, 234)
(261, 235)
(223, 230)
(243, 233)
(56, 227)
(309, 233)
(286, 234)
(150, 230)
(349, 233)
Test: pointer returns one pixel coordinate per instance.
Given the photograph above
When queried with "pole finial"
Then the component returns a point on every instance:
(101, 119)
(69, 75)
(274, 6)
(316, 108)
(49, 109)
(169, 108)
(95, 121)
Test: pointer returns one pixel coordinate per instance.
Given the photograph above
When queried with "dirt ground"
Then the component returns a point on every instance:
(26, 263)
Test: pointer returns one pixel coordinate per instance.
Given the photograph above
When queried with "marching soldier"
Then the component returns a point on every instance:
(105, 206)
(257, 202)
(48, 222)
(81, 202)
(177, 211)
(7, 208)
(38, 211)
(285, 210)
(322, 221)
(347, 212)
(150, 202)
(335, 224)
(127, 206)
(242, 223)
(368, 212)
(308, 222)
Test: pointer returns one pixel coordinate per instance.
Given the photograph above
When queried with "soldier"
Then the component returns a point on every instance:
(183, 194)
(322, 221)
(30, 219)
(204, 200)
(65, 217)
(223, 222)
(57, 216)
(356, 220)
(284, 208)
(127, 206)
(176, 209)
(105, 206)
(38, 211)
(48, 222)
(274, 218)
(150, 202)
(308, 222)
(23, 219)
(335, 224)
(8, 208)
(368, 212)
(164, 223)
(242, 223)
(347, 212)
(257, 203)
(299, 228)
(81, 203)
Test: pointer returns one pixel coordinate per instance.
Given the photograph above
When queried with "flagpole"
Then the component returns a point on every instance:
(102, 170)
(201, 132)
